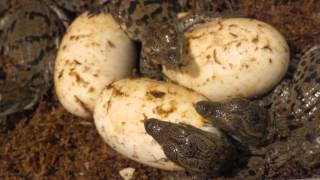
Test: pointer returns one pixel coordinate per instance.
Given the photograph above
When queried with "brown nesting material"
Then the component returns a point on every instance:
(54, 143)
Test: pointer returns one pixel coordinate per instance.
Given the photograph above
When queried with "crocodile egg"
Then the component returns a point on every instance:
(93, 53)
(235, 57)
(124, 106)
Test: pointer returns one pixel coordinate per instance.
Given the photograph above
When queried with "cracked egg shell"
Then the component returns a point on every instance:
(124, 106)
(94, 52)
(233, 57)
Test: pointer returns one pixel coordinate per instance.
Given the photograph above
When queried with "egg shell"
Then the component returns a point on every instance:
(124, 106)
(233, 57)
(94, 52)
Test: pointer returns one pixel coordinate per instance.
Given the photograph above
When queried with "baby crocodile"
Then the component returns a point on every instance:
(30, 31)
(156, 25)
(29, 36)
(191, 147)
(300, 111)
(240, 118)
(250, 124)
(150, 22)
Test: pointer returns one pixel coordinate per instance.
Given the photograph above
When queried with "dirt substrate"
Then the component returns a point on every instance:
(53, 144)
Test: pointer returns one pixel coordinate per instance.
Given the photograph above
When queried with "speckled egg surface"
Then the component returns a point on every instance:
(125, 105)
(233, 57)
(94, 53)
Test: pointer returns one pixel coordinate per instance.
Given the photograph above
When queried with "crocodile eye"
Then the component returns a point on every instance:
(167, 38)
(163, 38)
(155, 43)
(178, 133)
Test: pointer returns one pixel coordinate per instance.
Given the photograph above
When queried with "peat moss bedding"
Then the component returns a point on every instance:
(54, 144)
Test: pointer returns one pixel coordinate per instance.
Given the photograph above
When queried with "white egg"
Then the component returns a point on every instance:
(125, 105)
(94, 52)
(233, 57)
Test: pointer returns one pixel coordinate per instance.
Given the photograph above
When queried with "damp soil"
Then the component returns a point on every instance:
(50, 143)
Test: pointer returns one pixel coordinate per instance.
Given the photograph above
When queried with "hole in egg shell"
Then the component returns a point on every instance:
(221, 49)
(52, 128)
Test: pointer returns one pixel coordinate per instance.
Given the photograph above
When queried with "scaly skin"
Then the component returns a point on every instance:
(29, 32)
(194, 149)
(240, 118)
(304, 101)
(151, 23)
(74, 6)
(302, 115)
(68, 10)
(156, 25)
(295, 110)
